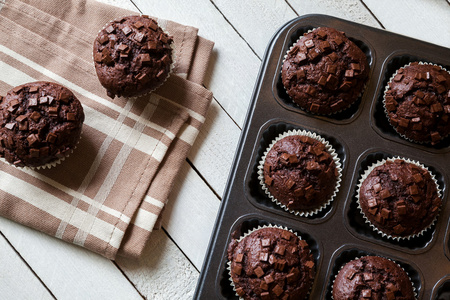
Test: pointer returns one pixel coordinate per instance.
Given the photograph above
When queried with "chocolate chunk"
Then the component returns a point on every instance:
(152, 45)
(402, 122)
(366, 293)
(32, 139)
(264, 286)
(384, 194)
(122, 47)
(265, 296)
(139, 37)
(435, 137)
(110, 29)
(331, 69)
(377, 187)
(98, 57)
(351, 274)
(268, 180)
(322, 34)
(398, 77)
(264, 256)
(160, 74)
(165, 59)
(309, 264)
(355, 67)
(385, 213)
(21, 118)
(280, 249)
(286, 235)
(280, 264)
(51, 138)
(144, 58)
(440, 78)
(333, 56)
(10, 126)
(278, 290)
(301, 57)
(314, 107)
(53, 111)
(163, 38)
(401, 209)
(346, 85)
(368, 276)
(153, 25)
(349, 73)
(372, 203)
(413, 190)
(17, 89)
(33, 89)
(313, 54)
(237, 269)
(23, 125)
(324, 46)
(310, 90)
(309, 43)
(127, 30)
(142, 78)
(322, 80)
(265, 242)
(70, 117)
(398, 229)
(436, 108)
(138, 25)
(35, 116)
(338, 40)
(268, 279)
(103, 39)
(259, 272)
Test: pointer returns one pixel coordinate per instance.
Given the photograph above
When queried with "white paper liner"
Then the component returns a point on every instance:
(382, 162)
(307, 110)
(329, 149)
(251, 231)
(386, 89)
(47, 165)
(172, 65)
(412, 283)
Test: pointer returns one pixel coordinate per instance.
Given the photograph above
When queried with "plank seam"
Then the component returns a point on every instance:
(372, 14)
(29, 267)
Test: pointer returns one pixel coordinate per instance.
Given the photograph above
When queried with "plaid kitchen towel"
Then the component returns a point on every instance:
(108, 194)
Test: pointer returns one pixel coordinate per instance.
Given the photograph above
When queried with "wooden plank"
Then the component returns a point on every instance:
(424, 20)
(352, 10)
(17, 281)
(162, 272)
(68, 271)
(190, 215)
(125, 4)
(234, 66)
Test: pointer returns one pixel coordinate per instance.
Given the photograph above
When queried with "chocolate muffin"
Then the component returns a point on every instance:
(271, 263)
(324, 72)
(399, 198)
(132, 56)
(300, 173)
(417, 102)
(372, 277)
(40, 123)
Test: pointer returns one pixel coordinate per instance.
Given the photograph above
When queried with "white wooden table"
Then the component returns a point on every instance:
(36, 266)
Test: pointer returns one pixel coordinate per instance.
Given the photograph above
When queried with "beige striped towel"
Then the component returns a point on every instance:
(108, 194)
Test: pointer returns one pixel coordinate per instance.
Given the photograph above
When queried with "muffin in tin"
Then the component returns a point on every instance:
(399, 198)
(324, 72)
(372, 277)
(417, 102)
(271, 263)
(132, 56)
(40, 124)
(300, 172)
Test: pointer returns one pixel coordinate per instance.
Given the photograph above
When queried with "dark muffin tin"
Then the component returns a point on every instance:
(361, 135)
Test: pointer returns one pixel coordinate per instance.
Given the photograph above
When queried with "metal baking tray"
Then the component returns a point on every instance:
(361, 135)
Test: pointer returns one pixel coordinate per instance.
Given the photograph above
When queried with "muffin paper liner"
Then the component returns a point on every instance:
(248, 233)
(172, 65)
(386, 89)
(307, 110)
(47, 165)
(329, 149)
(412, 283)
(374, 228)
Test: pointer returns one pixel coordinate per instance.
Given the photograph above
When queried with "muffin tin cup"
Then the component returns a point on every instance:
(386, 89)
(330, 150)
(307, 110)
(248, 233)
(172, 65)
(412, 282)
(376, 229)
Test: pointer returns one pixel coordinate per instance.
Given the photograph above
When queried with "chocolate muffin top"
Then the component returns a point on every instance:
(271, 263)
(399, 198)
(372, 277)
(324, 72)
(132, 56)
(300, 173)
(40, 122)
(417, 102)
